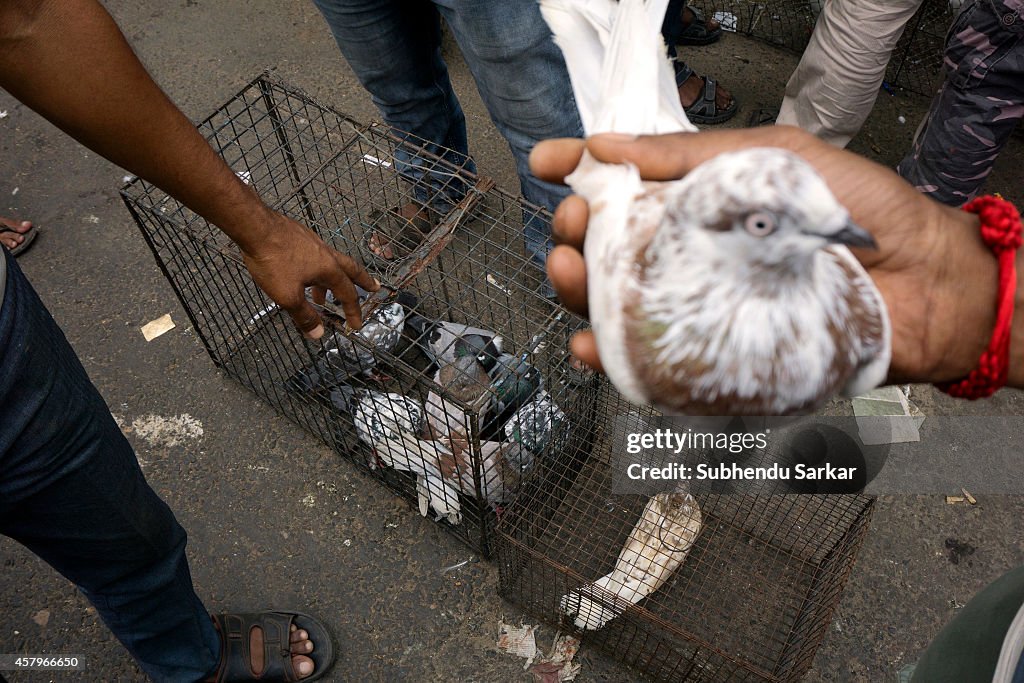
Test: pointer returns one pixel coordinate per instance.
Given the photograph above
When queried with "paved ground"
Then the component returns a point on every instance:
(325, 537)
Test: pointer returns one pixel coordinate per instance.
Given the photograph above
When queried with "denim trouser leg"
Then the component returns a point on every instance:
(394, 49)
(523, 81)
(71, 491)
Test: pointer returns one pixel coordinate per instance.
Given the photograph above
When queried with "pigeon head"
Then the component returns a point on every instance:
(464, 379)
(764, 207)
(392, 315)
(483, 348)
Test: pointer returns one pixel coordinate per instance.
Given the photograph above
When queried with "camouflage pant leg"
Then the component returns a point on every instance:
(978, 106)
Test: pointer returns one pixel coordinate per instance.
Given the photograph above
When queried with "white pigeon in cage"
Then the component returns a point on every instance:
(392, 425)
(732, 290)
(658, 544)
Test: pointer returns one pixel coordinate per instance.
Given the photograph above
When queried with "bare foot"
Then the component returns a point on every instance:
(13, 239)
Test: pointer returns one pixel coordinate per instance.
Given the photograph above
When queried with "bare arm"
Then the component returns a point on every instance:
(67, 60)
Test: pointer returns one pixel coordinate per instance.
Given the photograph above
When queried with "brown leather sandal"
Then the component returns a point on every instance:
(399, 229)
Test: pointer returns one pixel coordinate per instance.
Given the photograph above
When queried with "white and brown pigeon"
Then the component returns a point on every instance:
(732, 290)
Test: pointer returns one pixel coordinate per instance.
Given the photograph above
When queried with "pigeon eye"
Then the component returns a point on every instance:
(760, 224)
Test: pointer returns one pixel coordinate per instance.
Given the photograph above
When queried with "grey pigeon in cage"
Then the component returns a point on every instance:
(407, 299)
(341, 358)
(381, 333)
(514, 382)
(465, 385)
(438, 338)
(659, 542)
(536, 422)
(731, 291)
(392, 425)
(330, 369)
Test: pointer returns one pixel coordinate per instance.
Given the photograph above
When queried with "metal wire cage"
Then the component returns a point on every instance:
(916, 61)
(458, 383)
(714, 587)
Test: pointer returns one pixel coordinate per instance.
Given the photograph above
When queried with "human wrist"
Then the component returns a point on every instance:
(243, 216)
(969, 284)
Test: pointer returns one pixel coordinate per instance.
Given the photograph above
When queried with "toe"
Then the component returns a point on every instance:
(303, 666)
(381, 246)
(20, 226)
(10, 239)
(298, 635)
(303, 647)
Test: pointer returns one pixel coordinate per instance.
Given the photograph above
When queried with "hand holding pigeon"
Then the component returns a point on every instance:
(726, 292)
(941, 319)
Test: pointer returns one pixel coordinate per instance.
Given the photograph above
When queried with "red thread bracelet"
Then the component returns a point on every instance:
(1001, 231)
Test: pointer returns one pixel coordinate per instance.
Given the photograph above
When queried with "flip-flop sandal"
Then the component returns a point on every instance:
(704, 109)
(30, 237)
(236, 662)
(762, 116)
(400, 229)
(698, 33)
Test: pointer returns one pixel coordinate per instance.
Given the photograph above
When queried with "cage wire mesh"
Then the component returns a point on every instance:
(458, 383)
(708, 587)
(916, 61)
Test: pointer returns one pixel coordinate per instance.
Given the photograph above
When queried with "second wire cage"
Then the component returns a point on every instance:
(684, 584)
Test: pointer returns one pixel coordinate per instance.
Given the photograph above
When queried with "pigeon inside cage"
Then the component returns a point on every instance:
(458, 383)
(684, 586)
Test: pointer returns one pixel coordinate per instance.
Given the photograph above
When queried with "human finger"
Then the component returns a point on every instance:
(569, 224)
(568, 274)
(552, 160)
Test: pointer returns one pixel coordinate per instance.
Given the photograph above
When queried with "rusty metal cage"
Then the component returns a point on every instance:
(916, 61)
(457, 441)
(748, 585)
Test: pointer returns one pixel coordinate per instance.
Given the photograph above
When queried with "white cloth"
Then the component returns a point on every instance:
(833, 89)
(1009, 656)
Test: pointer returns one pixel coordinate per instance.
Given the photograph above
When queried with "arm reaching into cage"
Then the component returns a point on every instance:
(658, 544)
(68, 61)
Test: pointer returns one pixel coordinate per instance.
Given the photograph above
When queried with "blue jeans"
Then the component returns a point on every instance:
(394, 47)
(71, 491)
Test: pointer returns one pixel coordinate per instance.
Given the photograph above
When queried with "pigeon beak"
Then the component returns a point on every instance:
(852, 235)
